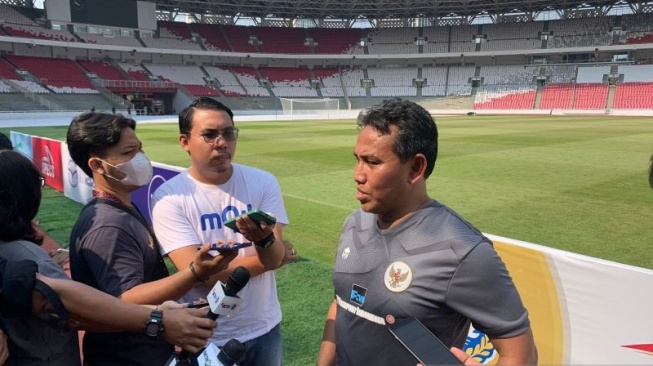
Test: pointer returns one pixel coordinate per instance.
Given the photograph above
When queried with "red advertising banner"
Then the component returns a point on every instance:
(47, 157)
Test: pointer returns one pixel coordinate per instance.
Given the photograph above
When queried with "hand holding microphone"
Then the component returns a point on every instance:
(187, 328)
(222, 300)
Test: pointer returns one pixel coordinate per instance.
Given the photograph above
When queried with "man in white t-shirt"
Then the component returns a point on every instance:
(191, 209)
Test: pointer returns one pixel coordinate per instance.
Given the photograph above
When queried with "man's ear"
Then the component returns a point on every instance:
(183, 142)
(96, 165)
(417, 167)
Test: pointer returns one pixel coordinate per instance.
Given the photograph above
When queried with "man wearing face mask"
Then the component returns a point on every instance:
(113, 249)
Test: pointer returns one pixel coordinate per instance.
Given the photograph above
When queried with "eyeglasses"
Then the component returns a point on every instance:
(42, 180)
(211, 137)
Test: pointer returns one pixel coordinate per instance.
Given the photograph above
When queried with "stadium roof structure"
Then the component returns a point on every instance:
(375, 9)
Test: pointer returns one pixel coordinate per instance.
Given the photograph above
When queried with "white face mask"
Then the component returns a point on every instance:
(138, 170)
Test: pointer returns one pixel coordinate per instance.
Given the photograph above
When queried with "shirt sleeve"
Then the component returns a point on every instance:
(172, 227)
(482, 290)
(46, 266)
(115, 259)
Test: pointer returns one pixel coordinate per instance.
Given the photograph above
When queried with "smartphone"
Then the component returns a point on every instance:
(229, 247)
(422, 344)
(60, 255)
(256, 216)
(198, 305)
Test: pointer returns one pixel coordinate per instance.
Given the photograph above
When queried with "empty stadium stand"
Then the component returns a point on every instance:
(173, 35)
(590, 96)
(212, 36)
(505, 98)
(633, 96)
(336, 41)
(401, 40)
(281, 40)
(103, 70)
(473, 67)
(557, 96)
(393, 82)
(135, 71)
(239, 37)
(60, 75)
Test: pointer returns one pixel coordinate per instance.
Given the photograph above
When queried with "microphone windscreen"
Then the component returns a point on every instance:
(237, 280)
(232, 352)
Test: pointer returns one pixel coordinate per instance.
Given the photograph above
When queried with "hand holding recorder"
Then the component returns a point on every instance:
(206, 265)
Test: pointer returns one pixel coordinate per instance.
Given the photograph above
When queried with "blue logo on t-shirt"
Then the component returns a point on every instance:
(358, 295)
(215, 220)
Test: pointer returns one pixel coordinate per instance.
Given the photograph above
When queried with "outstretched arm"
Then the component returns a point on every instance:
(4, 349)
(186, 328)
(183, 256)
(327, 355)
(178, 284)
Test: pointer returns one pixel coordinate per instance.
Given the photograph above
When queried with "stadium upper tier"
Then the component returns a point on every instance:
(448, 39)
(489, 86)
(106, 79)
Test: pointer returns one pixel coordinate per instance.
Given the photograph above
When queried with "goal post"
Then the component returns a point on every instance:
(310, 108)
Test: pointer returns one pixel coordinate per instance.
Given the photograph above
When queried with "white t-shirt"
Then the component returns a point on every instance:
(187, 212)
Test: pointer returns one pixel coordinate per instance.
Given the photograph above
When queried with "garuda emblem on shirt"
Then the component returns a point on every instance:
(398, 276)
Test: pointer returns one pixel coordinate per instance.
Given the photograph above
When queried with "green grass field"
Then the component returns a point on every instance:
(577, 184)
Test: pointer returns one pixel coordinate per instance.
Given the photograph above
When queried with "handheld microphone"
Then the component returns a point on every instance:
(232, 352)
(222, 301)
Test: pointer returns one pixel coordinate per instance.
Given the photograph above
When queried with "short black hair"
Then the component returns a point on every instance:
(5, 142)
(20, 197)
(186, 115)
(93, 133)
(417, 132)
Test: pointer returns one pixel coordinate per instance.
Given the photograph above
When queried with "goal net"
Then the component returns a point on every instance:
(310, 108)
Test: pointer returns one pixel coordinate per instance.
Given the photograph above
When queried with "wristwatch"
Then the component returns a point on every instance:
(266, 242)
(154, 325)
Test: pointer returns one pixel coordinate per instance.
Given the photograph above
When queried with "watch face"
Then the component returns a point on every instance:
(153, 329)
(154, 326)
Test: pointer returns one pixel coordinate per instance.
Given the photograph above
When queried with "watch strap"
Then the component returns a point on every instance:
(266, 242)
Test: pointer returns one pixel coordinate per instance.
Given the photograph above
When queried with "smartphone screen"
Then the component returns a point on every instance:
(422, 344)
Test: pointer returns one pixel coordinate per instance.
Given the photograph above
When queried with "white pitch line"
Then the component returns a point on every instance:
(320, 202)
